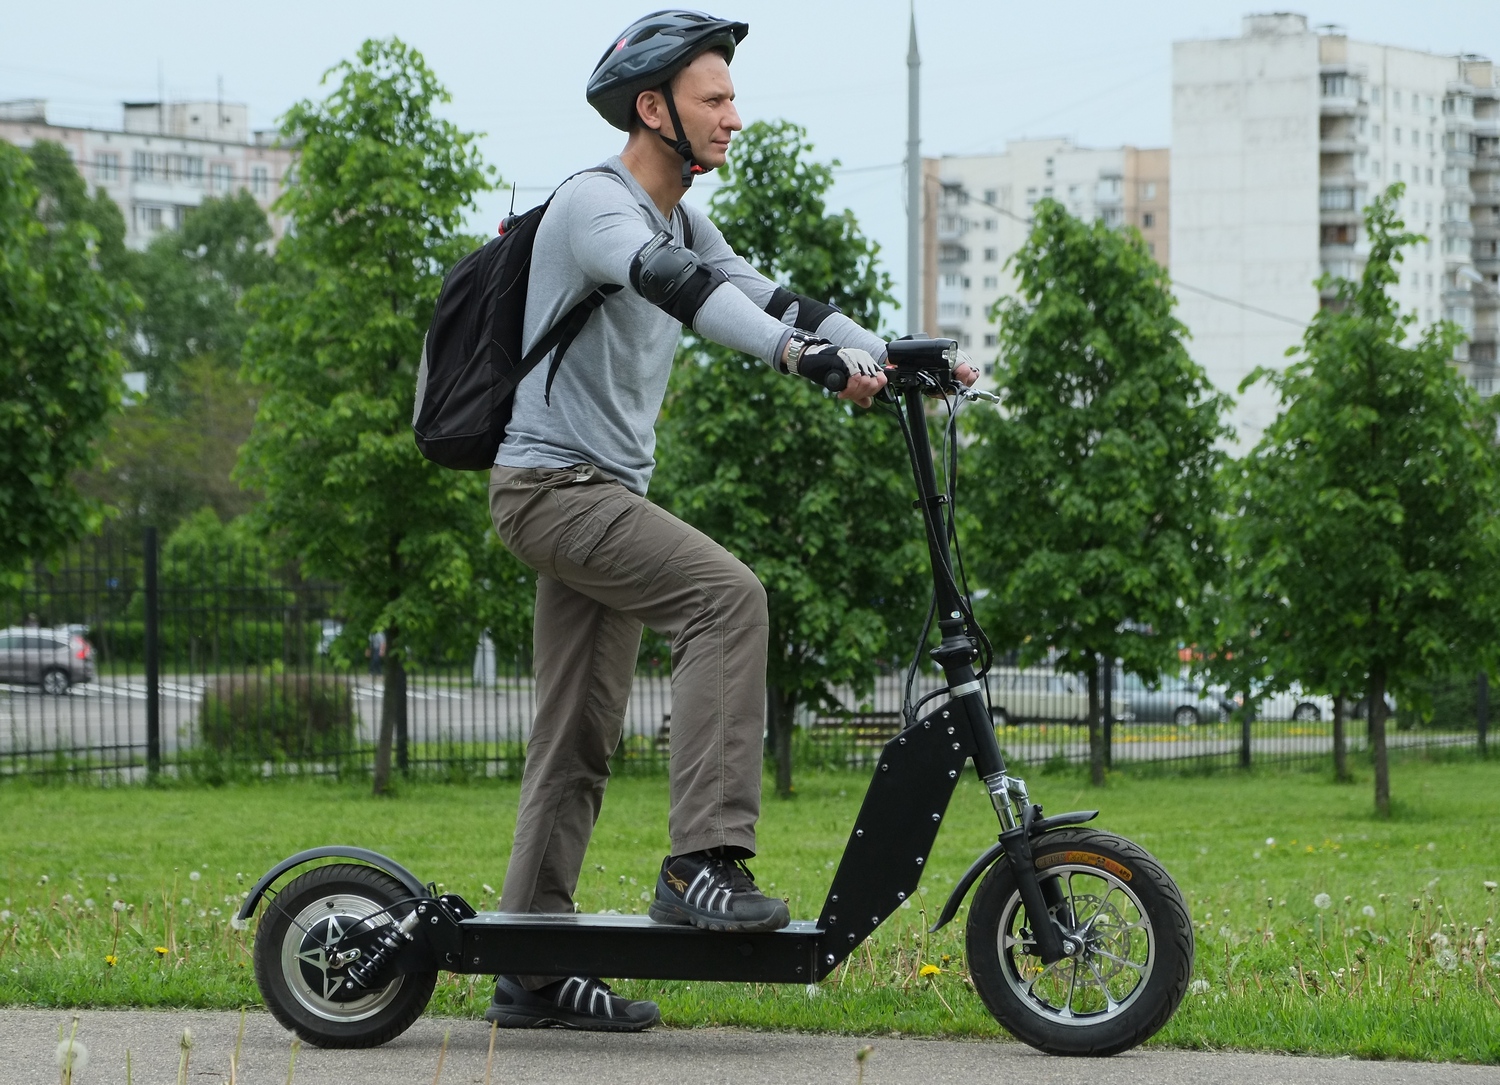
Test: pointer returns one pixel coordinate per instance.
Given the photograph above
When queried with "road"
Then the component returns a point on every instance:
(28, 1042)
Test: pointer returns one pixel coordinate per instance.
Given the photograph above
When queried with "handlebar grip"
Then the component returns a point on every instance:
(836, 380)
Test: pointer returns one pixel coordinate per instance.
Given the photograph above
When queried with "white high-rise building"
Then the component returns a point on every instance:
(164, 160)
(1280, 137)
(977, 215)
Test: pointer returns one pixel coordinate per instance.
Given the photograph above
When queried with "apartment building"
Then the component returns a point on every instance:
(978, 212)
(164, 160)
(1280, 138)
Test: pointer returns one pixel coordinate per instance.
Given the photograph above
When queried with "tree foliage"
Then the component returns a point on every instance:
(60, 369)
(192, 281)
(808, 491)
(63, 200)
(1092, 487)
(379, 198)
(1364, 540)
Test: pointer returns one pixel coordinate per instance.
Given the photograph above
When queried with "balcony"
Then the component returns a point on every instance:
(1458, 159)
(1485, 231)
(1342, 143)
(1458, 228)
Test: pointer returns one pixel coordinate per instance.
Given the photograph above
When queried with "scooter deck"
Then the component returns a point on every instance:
(636, 948)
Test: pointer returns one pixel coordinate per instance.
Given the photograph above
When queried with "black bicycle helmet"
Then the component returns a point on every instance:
(645, 56)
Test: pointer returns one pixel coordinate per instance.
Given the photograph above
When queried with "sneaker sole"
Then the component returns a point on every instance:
(673, 913)
(577, 1023)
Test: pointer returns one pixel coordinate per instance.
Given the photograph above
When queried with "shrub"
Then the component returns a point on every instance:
(277, 716)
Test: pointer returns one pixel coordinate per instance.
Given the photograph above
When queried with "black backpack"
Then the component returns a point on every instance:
(471, 357)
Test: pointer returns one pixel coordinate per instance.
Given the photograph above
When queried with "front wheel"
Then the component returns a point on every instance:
(1306, 713)
(1136, 936)
(299, 967)
(1185, 716)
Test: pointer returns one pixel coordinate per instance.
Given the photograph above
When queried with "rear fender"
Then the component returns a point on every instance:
(380, 862)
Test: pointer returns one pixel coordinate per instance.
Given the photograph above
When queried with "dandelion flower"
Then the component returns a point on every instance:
(1323, 900)
(43, 880)
(161, 951)
(929, 970)
(1270, 841)
(72, 1058)
(88, 902)
(110, 960)
(194, 876)
(1368, 911)
(67, 898)
(119, 906)
(1198, 987)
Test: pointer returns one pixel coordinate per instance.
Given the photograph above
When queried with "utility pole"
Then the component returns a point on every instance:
(913, 183)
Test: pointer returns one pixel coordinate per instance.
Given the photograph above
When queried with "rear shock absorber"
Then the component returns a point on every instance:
(366, 975)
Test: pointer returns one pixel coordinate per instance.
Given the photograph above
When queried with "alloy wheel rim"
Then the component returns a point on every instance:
(307, 958)
(1107, 975)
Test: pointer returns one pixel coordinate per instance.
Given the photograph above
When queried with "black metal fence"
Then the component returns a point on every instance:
(212, 662)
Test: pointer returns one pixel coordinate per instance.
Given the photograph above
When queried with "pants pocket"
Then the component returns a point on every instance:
(585, 530)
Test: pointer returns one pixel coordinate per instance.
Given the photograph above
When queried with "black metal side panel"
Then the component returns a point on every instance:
(893, 835)
(633, 947)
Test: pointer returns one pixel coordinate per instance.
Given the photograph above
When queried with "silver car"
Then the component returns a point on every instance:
(1175, 700)
(55, 659)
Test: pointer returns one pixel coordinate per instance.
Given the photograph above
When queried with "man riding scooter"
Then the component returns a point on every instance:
(568, 497)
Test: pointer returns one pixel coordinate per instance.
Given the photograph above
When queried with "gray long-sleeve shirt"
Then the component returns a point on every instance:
(608, 390)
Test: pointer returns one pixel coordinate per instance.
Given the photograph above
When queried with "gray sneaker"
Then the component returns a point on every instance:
(577, 1002)
(714, 894)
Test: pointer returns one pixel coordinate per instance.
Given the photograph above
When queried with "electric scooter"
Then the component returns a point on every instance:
(1078, 940)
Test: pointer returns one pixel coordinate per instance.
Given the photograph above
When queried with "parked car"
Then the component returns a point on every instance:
(1174, 700)
(1297, 705)
(1038, 695)
(55, 659)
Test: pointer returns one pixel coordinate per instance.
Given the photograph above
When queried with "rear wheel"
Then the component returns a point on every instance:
(1136, 940)
(300, 978)
(1306, 713)
(55, 682)
(1186, 716)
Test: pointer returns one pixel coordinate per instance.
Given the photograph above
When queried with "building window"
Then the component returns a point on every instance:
(991, 224)
(1151, 248)
(1049, 167)
(1030, 197)
(1148, 190)
(964, 339)
(991, 339)
(1395, 135)
(219, 175)
(991, 196)
(1375, 131)
(1375, 167)
(952, 278)
(259, 183)
(1148, 220)
(149, 219)
(107, 167)
(991, 255)
(1336, 199)
(992, 282)
(1395, 99)
(1395, 171)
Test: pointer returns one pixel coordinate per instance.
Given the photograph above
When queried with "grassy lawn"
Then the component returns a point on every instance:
(1398, 963)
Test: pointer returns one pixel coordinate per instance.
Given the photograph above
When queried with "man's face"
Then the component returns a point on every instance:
(704, 95)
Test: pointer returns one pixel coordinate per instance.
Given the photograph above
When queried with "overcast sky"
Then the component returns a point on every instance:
(992, 70)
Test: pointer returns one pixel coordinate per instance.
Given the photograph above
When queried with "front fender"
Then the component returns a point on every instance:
(994, 852)
(330, 851)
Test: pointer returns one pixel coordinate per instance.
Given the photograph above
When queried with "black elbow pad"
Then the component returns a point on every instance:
(810, 313)
(673, 278)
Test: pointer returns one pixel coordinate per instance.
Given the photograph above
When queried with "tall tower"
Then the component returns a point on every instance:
(913, 184)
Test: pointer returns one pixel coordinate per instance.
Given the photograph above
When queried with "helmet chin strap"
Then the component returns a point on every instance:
(690, 166)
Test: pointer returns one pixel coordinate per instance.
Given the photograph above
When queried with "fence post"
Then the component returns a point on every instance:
(1108, 708)
(1482, 711)
(153, 657)
(1247, 714)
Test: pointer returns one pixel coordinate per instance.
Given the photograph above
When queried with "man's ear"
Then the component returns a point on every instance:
(649, 109)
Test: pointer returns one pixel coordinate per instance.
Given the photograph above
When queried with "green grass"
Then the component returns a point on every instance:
(1277, 971)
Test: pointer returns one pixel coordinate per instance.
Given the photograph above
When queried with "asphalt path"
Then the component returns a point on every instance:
(28, 1042)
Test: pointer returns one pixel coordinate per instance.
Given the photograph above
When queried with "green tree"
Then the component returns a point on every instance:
(379, 198)
(1365, 545)
(60, 371)
(64, 200)
(1094, 498)
(809, 492)
(192, 281)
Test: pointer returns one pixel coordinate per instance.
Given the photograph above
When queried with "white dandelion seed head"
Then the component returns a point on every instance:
(202, 914)
(1439, 939)
(194, 876)
(118, 906)
(112, 878)
(1447, 960)
(1368, 911)
(67, 898)
(43, 880)
(239, 924)
(814, 991)
(490, 889)
(1489, 887)
(1270, 841)
(1199, 987)
(187, 902)
(72, 1053)
(1431, 846)
(5, 916)
(1323, 900)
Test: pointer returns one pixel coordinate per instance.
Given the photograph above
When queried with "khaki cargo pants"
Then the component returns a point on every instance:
(609, 562)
